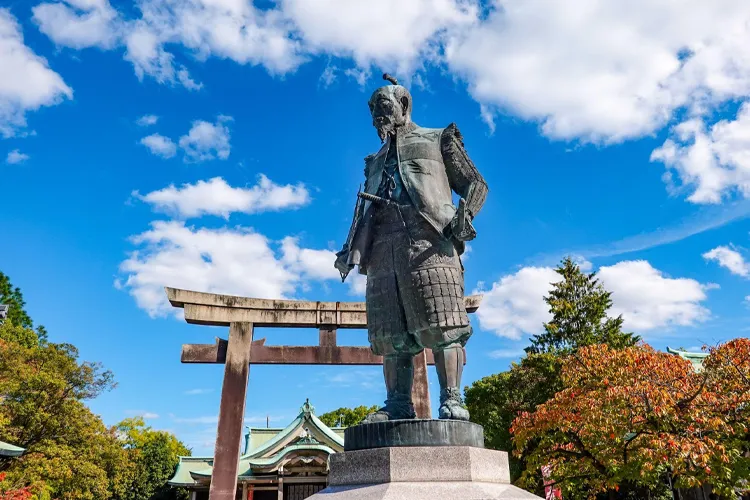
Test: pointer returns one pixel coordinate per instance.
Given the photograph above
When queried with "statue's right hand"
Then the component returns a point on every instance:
(342, 265)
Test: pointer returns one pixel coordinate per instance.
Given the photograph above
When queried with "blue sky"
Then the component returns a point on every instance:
(218, 145)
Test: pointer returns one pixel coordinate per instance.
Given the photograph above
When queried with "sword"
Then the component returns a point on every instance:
(374, 199)
(384, 201)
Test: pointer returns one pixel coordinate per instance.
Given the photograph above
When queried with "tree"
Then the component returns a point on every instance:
(22, 335)
(578, 305)
(626, 417)
(17, 315)
(13, 493)
(69, 451)
(42, 410)
(347, 416)
(728, 375)
(496, 400)
(154, 455)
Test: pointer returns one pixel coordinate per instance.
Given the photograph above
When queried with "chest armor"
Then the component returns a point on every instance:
(422, 173)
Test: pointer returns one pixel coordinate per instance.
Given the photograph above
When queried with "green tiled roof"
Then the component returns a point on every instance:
(9, 450)
(261, 435)
(247, 464)
(268, 448)
(696, 358)
(187, 465)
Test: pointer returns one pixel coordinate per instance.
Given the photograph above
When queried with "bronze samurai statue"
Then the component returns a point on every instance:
(407, 237)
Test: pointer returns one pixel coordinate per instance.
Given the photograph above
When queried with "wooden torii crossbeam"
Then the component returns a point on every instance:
(242, 315)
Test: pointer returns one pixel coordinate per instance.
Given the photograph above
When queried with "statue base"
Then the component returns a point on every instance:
(421, 473)
(413, 433)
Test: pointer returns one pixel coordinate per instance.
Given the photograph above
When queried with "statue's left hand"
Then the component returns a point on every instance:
(462, 230)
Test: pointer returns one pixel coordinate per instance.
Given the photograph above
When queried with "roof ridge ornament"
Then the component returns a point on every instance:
(307, 408)
(306, 437)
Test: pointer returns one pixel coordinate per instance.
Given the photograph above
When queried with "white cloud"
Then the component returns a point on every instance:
(372, 32)
(514, 305)
(206, 141)
(358, 75)
(645, 296)
(593, 70)
(314, 264)
(357, 283)
(716, 163)
(147, 120)
(211, 260)
(79, 24)
(184, 78)
(730, 259)
(145, 51)
(216, 197)
(328, 76)
(506, 353)
(27, 82)
(160, 145)
(648, 299)
(197, 392)
(15, 157)
(317, 265)
(217, 261)
(604, 71)
(232, 29)
(147, 415)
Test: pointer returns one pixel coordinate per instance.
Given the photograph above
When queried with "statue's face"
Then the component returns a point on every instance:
(387, 113)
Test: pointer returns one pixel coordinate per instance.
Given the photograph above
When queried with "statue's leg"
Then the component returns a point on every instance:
(398, 371)
(449, 363)
(399, 377)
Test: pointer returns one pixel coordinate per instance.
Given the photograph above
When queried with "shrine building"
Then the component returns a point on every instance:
(696, 358)
(277, 464)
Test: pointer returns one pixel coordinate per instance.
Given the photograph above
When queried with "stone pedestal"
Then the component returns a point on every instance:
(415, 432)
(421, 473)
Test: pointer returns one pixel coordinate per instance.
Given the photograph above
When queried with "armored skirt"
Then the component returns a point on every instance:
(415, 285)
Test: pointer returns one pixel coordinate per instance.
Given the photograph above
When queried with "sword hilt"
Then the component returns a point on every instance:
(372, 198)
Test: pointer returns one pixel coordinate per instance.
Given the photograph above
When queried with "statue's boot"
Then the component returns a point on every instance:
(449, 362)
(399, 376)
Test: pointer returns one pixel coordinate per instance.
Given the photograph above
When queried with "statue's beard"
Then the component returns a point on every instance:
(384, 126)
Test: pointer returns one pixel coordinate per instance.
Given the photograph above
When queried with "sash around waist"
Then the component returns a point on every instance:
(387, 220)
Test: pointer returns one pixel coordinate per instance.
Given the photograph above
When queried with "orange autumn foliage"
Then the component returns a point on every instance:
(627, 416)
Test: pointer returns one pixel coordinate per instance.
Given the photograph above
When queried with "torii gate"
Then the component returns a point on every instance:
(242, 315)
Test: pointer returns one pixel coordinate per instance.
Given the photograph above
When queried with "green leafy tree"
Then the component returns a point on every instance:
(69, 452)
(154, 456)
(347, 416)
(42, 410)
(17, 315)
(18, 334)
(496, 400)
(578, 305)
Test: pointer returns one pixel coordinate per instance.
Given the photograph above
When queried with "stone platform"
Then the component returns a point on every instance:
(413, 433)
(421, 473)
